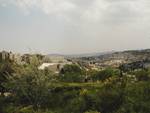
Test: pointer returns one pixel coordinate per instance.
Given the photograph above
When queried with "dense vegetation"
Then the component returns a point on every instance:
(25, 89)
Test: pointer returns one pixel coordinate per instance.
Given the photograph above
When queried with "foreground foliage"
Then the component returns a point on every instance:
(29, 90)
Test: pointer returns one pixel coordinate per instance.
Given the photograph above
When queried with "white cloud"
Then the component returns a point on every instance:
(47, 6)
(95, 11)
(90, 11)
(117, 10)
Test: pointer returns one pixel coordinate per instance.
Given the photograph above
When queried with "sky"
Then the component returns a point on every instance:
(74, 26)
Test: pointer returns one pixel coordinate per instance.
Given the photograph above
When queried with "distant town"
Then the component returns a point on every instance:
(137, 58)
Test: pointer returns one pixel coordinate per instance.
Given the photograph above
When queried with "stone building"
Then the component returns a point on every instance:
(54, 67)
(4, 55)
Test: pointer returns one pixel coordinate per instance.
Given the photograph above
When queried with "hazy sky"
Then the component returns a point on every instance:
(74, 26)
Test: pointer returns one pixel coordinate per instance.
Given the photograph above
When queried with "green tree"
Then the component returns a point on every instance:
(71, 73)
(137, 98)
(105, 74)
(30, 88)
(6, 70)
(142, 75)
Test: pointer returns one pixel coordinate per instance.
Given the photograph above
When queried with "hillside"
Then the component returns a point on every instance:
(116, 59)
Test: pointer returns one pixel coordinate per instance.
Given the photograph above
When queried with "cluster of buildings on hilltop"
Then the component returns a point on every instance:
(115, 60)
(17, 58)
(7, 56)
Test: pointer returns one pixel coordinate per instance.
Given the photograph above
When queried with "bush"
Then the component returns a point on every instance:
(30, 88)
(137, 98)
(105, 74)
(71, 73)
(142, 75)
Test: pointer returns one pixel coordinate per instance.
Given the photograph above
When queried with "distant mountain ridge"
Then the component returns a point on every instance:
(81, 55)
(97, 54)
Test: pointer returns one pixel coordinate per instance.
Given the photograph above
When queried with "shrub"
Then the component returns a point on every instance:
(105, 74)
(71, 73)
